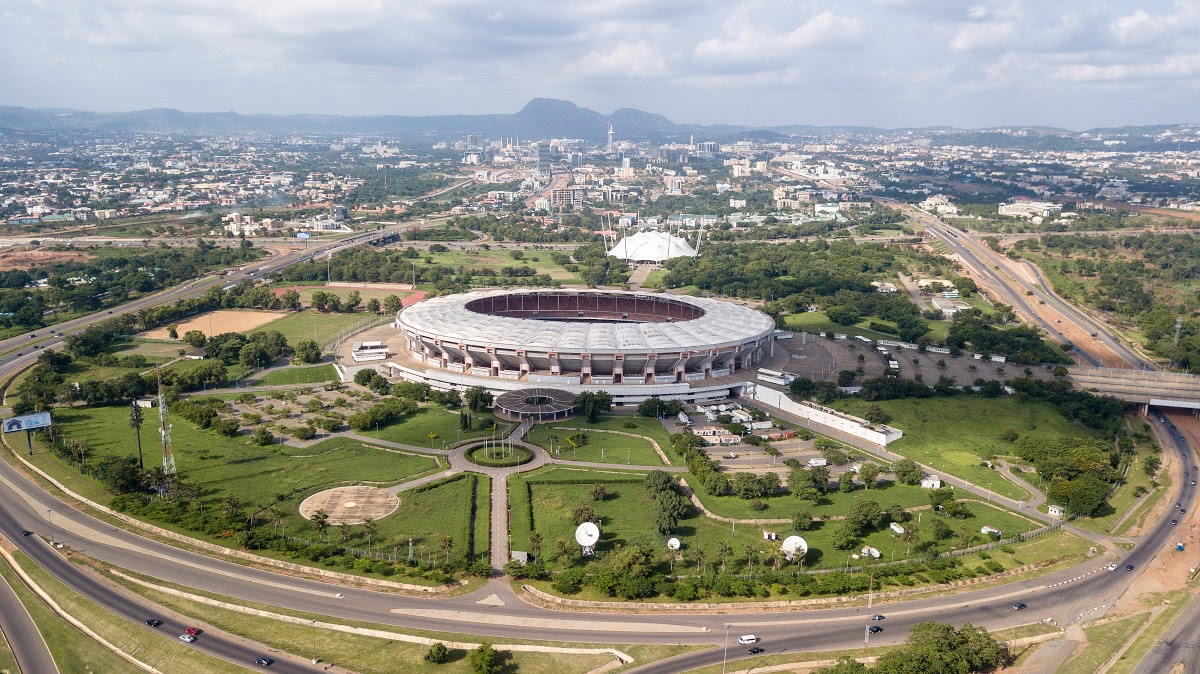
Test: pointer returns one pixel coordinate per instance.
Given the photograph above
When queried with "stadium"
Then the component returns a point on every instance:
(631, 344)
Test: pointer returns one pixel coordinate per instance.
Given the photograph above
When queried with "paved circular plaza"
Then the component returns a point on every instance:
(351, 505)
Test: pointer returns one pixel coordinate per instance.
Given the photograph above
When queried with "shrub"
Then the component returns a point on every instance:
(437, 654)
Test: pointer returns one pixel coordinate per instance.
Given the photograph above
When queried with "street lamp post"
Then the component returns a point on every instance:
(725, 657)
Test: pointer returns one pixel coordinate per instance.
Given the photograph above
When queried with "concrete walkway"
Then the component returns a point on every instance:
(404, 486)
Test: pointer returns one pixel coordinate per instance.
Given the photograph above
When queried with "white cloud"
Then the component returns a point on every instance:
(752, 42)
(630, 59)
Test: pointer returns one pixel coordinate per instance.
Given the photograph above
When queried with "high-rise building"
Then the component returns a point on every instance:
(610, 137)
(576, 159)
(543, 158)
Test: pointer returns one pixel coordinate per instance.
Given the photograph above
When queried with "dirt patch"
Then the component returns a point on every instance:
(24, 259)
(218, 322)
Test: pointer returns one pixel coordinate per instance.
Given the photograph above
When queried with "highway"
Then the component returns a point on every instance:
(25, 506)
(26, 642)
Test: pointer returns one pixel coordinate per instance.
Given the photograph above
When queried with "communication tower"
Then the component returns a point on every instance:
(164, 428)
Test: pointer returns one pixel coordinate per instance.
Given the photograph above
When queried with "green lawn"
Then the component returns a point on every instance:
(299, 375)
(233, 372)
(366, 294)
(498, 259)
(220, 466)
(602, 446)
(955, 434)
(627, 514)
(307, 324)
(817, 321)
(72, 650)
(443, 424)
(834, 503)
(1141, 647)
(654, 279)
(1103, 641)
(428, 515)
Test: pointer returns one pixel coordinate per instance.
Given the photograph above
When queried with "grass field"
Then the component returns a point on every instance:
(428, 515)
(299, 375)
(71, 649)
(306, 292)
(144, 643)
(1103, 641)
(835, 502)
(627, 514)
(222, 465)
(310, 324)
(602, 446)
(1138, 650)
(414, 429)
(654, 279)
(233, 372)
(954, 435)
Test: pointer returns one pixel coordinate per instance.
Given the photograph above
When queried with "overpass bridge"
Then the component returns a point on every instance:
(1147, 387)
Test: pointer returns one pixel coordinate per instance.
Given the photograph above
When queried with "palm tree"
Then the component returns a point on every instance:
(275, 516)
(231, 504)
(135, 422)
(777, 554)
(535, 544)
(724, 550)
(343, 532)
(370, 527)
(320, 520)
(698, 555)
(447, 546)
(562, 549)
(750, 557)
(911, 535)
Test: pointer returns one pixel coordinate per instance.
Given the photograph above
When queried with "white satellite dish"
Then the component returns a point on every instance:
(794, 545)
(673, 544)
(587, 534)
(723, 408)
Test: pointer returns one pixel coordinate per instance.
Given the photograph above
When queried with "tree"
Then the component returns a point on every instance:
(844, 536)
(875, 414)
(253, 355)
(262, 436)
(670, 507)
(750, 551)
(652, 407)
(591, 404)
(907, 472)
(699, 555)
(437, 653)
(307, 351)
(864, 515)
(478, 398)
(370, 527)
(582, 513)
(320, 520)
(447, 543)
(802, 520)
(173, 331)
(599, 491)
(846, 482)
(535, 544)
(1088, 495)
(845, 665)
(483, 660)
(392, 304)
(195, 338)
(373, 305)
(936, 648)
(290, 300)
(135, 422)
(724, 550)
(869, 474)
(353, 300)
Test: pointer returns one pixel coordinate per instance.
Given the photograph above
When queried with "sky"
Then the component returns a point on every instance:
(885, 63)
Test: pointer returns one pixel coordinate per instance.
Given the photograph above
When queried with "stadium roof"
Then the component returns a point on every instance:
(723, 324)
(651, 246)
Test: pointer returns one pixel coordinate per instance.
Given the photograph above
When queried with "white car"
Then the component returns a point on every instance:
(1113, 567)
(747, 639)
(731, 455)
(187, 637)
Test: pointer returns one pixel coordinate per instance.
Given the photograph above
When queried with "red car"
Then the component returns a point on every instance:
(193, 631)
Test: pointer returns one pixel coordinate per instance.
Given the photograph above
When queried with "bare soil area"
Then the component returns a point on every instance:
(24, 259)
(218, 322)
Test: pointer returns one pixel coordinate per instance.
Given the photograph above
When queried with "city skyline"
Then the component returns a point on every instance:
(887, 63)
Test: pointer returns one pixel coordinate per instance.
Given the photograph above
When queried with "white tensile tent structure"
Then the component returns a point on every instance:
(655, 247)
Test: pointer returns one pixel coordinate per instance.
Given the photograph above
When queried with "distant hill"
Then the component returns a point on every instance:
(540, 118)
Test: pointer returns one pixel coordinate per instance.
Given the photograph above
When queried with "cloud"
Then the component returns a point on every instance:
(629, 59)
(755, 42)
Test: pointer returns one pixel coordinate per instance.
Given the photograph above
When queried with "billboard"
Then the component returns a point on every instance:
(27, 422)
(303, 235)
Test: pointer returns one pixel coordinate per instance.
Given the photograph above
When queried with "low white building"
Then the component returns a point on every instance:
(1030, 209)
(931, 482)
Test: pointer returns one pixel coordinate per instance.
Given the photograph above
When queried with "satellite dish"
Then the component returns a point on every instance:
(723, 408)
(794, 545)
(673, 544)
(587, 534)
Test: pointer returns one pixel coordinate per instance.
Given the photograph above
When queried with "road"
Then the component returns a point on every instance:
(28, 646)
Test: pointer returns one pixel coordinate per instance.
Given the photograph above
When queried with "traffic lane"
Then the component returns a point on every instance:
(28, 646)
(214, 643)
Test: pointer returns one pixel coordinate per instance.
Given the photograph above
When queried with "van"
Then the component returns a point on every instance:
(747, 639)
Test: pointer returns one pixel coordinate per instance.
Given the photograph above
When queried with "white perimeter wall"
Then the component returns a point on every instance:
(880, 435)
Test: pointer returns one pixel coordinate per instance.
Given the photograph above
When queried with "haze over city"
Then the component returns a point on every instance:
(884, 63)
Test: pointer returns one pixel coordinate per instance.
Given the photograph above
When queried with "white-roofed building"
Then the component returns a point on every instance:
(656, 247)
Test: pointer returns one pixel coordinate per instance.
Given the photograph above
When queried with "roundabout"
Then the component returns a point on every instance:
(492, 457)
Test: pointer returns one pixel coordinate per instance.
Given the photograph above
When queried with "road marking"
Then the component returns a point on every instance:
(546, 623)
